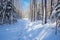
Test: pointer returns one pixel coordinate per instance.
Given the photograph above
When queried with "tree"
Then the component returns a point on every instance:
(42, 11)
(33, 9)
(45, 11)
(57, 16)
(7, 11)
(52, 4)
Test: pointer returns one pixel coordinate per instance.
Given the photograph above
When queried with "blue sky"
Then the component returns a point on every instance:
(25, 4)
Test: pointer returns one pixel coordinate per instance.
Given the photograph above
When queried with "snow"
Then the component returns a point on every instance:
(34, 25)
(24, 29)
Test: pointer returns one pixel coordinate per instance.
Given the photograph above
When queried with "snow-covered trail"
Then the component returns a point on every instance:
(11, 32)
(48, 33)
(26, 30)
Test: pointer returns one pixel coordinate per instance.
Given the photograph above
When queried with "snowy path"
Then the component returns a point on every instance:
(24, 30)
(48, 33)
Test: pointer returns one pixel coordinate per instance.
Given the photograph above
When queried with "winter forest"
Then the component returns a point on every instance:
(29, 19)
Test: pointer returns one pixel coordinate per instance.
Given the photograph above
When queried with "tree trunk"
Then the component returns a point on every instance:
(45, 11)
(42, 12)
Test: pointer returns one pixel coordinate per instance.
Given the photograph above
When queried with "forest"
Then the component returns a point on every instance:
(29, 19)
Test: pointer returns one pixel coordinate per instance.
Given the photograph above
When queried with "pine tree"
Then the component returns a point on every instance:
(8, 13)
(57, 16)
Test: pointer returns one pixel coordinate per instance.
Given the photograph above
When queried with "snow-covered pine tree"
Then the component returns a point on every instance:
(8, 13)
(57, 15)
(1, 12)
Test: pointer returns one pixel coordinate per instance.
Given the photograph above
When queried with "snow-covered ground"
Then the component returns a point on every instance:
(26, 30)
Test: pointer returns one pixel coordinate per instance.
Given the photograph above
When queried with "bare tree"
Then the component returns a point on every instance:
(42, 11)
(33, 9)
(45, 11)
